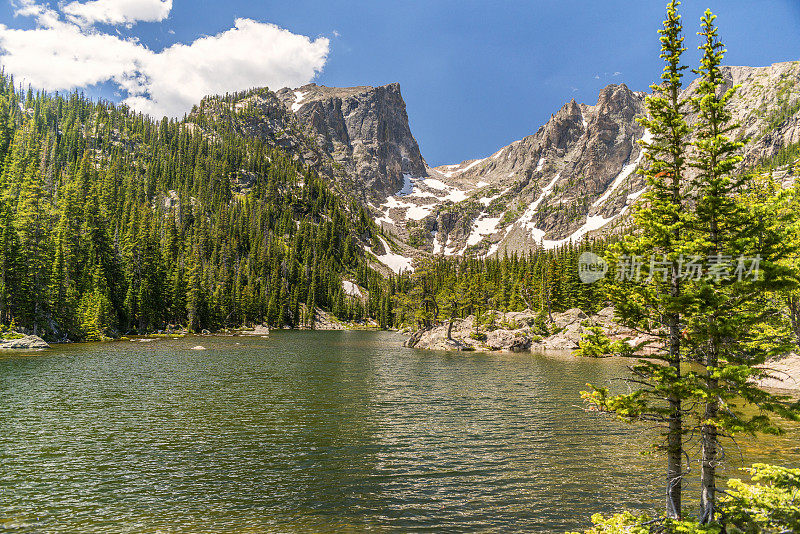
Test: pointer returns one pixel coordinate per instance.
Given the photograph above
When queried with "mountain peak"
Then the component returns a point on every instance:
(364, 128)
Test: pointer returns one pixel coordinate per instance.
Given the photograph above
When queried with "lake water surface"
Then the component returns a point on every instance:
(316, 432)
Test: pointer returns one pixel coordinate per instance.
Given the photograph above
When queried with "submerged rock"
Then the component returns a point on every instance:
(26, 342)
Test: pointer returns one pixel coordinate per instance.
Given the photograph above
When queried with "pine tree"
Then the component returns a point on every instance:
(655, 305)
(32, 223)
(730, 308)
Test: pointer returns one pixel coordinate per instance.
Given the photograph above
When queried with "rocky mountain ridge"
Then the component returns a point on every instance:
(576, 176)
(364, 129)
(572, 178)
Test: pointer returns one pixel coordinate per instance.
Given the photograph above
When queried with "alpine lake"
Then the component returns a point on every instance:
(307, 431)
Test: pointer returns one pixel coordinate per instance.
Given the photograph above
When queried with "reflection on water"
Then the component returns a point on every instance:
(315, 432)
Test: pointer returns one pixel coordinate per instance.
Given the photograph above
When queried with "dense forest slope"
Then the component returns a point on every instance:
(111, 223)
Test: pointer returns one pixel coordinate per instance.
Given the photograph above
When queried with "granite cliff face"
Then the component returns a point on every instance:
(364, 129)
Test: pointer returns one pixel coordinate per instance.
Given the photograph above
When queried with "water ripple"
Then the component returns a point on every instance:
(312, 432)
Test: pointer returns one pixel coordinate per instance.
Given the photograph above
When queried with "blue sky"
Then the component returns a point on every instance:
(475, 75)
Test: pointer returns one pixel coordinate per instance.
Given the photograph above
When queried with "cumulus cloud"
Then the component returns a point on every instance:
(125, 12)
(60, 54)
(250, 54)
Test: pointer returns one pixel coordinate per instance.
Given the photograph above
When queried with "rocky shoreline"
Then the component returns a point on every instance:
(521, 331)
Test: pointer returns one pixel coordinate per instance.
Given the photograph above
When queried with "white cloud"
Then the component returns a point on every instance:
(61, 55)
(45, 17)
(117, 11)
(251, 54)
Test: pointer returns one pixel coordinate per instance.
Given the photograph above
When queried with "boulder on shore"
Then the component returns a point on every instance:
(514, 337)
(326, 321)
(26, 342)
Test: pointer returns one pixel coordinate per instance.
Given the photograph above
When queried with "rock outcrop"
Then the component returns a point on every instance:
(325, 321)
(25, 343)
(258, 330)
(518, 332)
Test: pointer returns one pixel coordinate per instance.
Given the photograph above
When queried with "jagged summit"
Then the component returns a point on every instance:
(365, 129)
(311, 92)
(576, 175)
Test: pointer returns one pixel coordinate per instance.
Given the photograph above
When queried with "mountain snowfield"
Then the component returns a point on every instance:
(573, 178)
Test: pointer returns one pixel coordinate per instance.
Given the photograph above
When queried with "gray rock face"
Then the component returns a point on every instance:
(766, 106)
(575, 177)
(365, 129)
(540, 188)
(27, 342)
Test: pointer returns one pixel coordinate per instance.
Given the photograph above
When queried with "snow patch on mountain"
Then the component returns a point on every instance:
(456, 170)
(482, 227)
(593, 222)
(456, 195)
(396, 262)
(433, 183)
(634, 196)
(299, 96)
(488, 200)
(527, 217)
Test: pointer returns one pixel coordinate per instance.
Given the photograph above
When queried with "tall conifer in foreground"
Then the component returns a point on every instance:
(721, 284)
(732, 319)
(654, 305)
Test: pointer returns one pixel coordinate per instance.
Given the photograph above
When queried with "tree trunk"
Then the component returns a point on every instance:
(708, 475)
(709, 437)
(793, 303)
(675, 431)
